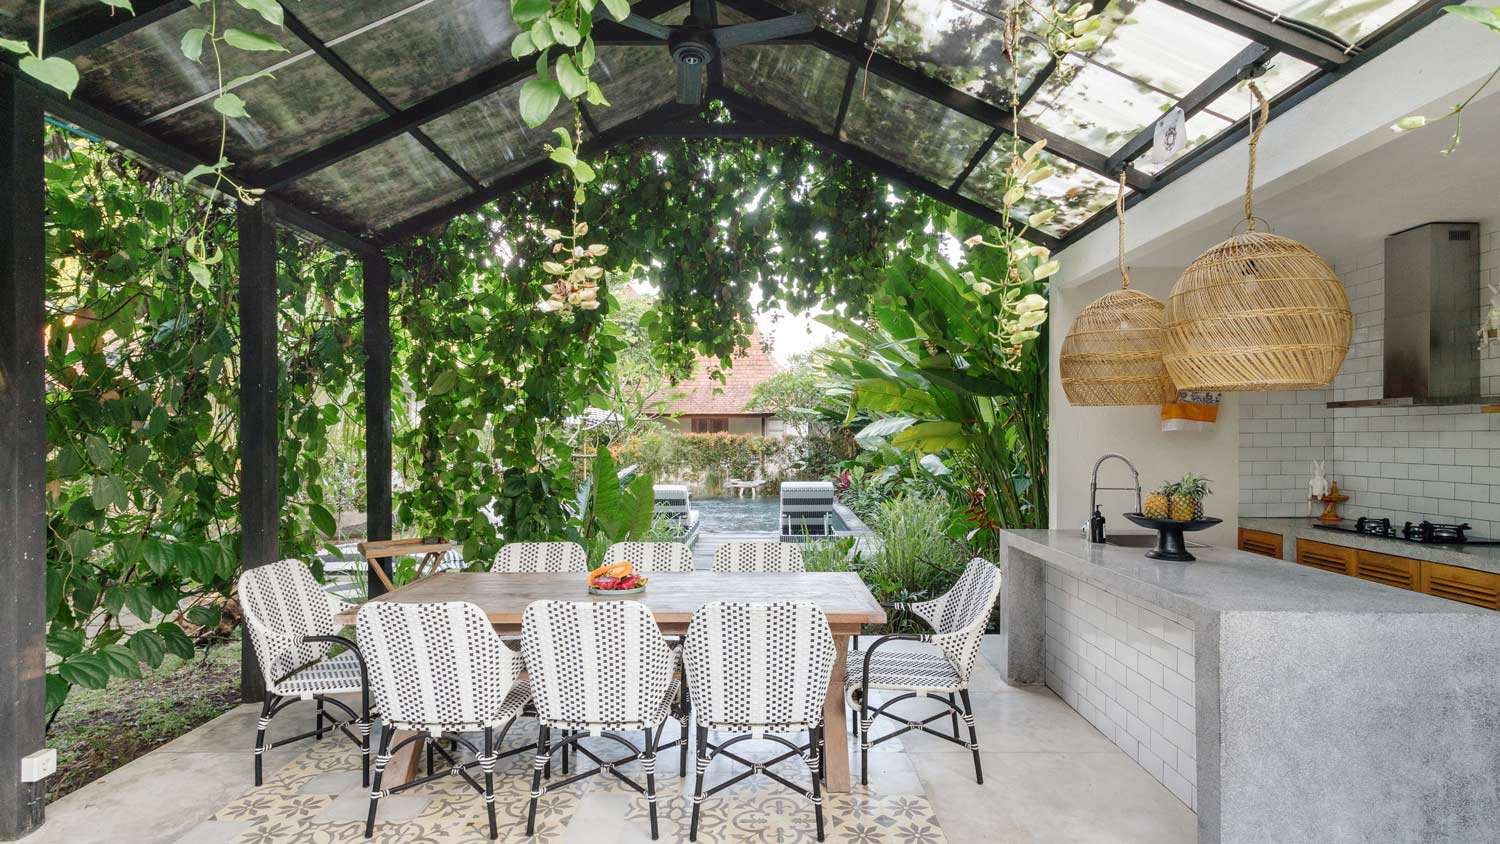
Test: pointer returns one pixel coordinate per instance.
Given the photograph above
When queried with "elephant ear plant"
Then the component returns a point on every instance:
(952, 362)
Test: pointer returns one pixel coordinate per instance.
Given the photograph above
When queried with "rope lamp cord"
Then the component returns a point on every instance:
(1120, 214)
(1265, 115)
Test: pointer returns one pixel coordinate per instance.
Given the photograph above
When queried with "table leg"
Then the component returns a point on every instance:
(835, 725)
(405, 763)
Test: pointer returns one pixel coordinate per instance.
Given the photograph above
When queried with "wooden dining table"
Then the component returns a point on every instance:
(672, 597)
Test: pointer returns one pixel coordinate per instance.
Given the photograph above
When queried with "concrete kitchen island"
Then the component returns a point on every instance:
(1281, 703)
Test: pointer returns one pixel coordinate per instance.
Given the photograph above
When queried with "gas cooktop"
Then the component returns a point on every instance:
(1427, 533)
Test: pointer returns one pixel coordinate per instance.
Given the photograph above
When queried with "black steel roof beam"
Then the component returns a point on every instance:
(884, 167)
(1050, 67)
(918, 82)
(103, 24)
(166, 156)
(979, 153)
(1325, 51)
(1218, 82)
(864, 38)
(343, 68)
(588, 119)
(443, 102)
(631, 129)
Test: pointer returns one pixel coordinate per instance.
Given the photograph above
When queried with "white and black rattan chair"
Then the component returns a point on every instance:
(541, 557)
(290, 619)
(651, 557)
(941, 672)
(439, 670)
(597, 669)
(758, 556)
(757, 670)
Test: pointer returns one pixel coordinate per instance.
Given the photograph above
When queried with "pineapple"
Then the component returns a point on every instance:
(1186, 498)
(1157, 504)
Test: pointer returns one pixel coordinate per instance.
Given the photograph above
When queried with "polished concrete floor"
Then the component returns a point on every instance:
(1049, 777)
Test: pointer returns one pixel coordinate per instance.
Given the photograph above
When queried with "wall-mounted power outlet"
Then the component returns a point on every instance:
(39, 765)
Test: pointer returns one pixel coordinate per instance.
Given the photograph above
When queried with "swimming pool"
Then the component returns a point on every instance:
(734, 515)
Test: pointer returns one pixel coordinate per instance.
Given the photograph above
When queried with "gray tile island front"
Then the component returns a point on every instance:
(1281, 703)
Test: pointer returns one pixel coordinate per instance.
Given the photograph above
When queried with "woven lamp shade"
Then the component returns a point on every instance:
(1113, 353)
(1257, 312)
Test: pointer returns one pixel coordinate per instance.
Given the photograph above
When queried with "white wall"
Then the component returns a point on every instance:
(1079, 435)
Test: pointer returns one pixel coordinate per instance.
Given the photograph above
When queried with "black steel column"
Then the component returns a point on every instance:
(377, 296)
(260, 495)
(23, 456)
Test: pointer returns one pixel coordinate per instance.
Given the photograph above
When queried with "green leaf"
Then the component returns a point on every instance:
(203, 170)
(247, 79)
(1487, 15)
(120, 4)
(121, 661)
(564, 32)
(874, 433)
(230, 105)
(15, 46)
(930, 437)
(586, 54)
(539, 97)
(87, 670)
(204, 616)
(53, 71)
(99, 452)
(252, 41)
(573, 83)
(523, 12)
(108, 491)
(885, 395)
(138, 602)
(136, 455)
(192, 43)
(322, 519)
(583, 172)
(618, 9)
(57, 692)
(596, 95)
(147, 647)
(522, 46)
(268, 9)
(178, 643)
(65, 642)
(444, 383)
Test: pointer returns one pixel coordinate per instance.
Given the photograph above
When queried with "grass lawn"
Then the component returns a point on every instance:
(99, 730)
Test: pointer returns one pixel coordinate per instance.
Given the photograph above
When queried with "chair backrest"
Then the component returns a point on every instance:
(672, 501)
(758, 664)
(556, 557)
(806, 506)
(438, 664)
(651, 556)
(282, 603)
(758, 556)
(595, 663)
(965, 612)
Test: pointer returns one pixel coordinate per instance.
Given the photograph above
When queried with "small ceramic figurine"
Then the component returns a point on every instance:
(1317, 487)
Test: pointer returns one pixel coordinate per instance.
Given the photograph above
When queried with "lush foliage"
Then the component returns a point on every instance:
(676, 456)
(791, 394)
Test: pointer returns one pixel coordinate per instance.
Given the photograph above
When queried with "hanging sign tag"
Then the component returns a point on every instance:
(1170, 137)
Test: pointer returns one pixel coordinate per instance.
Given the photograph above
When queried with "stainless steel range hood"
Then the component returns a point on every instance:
(1431, 310)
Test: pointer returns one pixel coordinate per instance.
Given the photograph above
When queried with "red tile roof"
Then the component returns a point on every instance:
(696, 396)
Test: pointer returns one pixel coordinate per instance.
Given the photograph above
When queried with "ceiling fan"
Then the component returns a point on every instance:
(697, 41)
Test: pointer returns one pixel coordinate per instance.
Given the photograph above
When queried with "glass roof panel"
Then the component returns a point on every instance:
(634, 80)
(1201, 128)
(18, 17)
(144, 74)
(956, 43)
(841, 17)
(1351, 20)
(1075, 194)
(1165, 49)
(1096, 107)
(1283, 73)
(381, 186)
(305, 106)
(803, 81)
(910, 130)
(429, 47)
(489, 138)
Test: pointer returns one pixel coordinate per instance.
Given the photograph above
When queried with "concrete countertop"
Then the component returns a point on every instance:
(1478, 557)
(1223, 580)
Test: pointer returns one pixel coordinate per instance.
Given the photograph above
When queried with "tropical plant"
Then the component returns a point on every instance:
(916, 559)
(1487, 16)
(836, 554)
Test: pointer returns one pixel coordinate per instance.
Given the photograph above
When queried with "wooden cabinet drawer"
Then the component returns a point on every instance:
(1480, 588)
(1260, 542)
(1319, 555)
(1403, 572)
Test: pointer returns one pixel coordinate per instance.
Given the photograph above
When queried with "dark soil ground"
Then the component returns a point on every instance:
(97, 731)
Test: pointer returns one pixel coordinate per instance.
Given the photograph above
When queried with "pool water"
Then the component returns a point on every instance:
(732, 515)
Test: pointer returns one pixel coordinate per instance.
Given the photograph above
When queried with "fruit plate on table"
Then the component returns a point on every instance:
(1170, 545)
(616, 580)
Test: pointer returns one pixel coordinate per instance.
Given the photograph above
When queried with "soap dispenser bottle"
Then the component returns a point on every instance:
(1096, 526)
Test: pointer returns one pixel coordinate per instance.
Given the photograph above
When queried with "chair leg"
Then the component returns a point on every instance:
(816, 737)
(381, 759)
(318, 726)
(260, 733)
(364, 736)
(428, 742)
(536, 778)
(864, 738)
(649, 763)
(682, 722)
(567, 751)
(702, 736)
(973, 736)
(489, 780)
(953, 713)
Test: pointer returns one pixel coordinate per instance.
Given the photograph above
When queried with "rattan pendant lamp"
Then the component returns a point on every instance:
(1113, 352)
(1257, 312)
